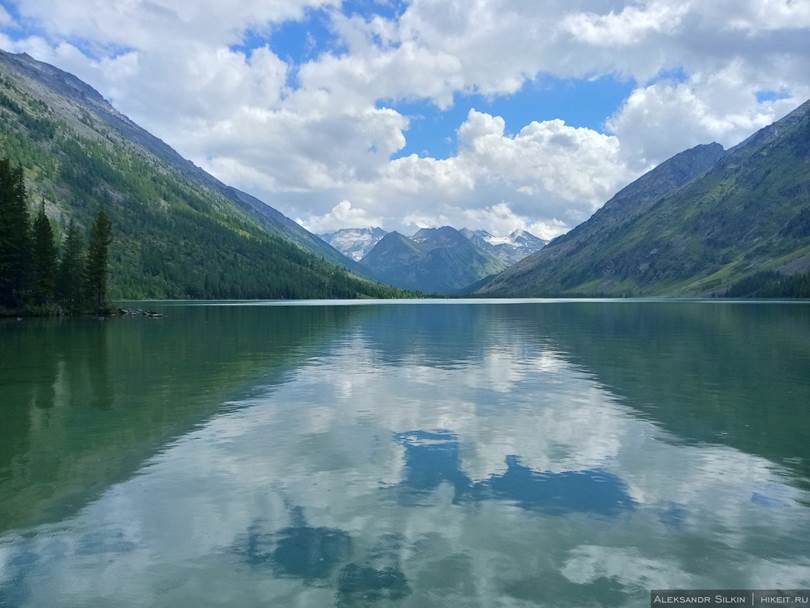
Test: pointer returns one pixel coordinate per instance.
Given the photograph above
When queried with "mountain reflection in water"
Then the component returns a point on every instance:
(405, 455)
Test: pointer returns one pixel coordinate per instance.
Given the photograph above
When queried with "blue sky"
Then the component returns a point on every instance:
(580, 103)
(583, 102)
(494, 114)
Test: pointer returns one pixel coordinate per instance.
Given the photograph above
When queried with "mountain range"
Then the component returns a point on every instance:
(706, 222)
(414, 262)
(434, 260)
(178, 231)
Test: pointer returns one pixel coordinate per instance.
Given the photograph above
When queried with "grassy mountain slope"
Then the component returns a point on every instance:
(748, 214)
(434, 260)
(179, 232)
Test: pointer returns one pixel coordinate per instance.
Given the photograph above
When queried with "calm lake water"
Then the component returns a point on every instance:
(419, 454)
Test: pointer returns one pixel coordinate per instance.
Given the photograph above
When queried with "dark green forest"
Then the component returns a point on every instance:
(771, 285)
(37, 277)
(174, 237)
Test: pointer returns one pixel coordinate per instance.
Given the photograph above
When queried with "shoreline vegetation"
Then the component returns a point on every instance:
(40, 278)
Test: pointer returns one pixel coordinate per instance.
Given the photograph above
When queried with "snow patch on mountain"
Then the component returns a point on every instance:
(354, 242)
(510, 248)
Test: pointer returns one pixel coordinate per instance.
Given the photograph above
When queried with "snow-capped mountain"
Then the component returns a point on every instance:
(354, 242)
(510, 248)
(434, 260)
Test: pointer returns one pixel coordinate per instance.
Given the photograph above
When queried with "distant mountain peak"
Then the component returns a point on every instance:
(354, 242)
(511, 248)
(440, 236)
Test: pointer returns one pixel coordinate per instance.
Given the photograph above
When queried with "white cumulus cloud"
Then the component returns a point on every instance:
(308, 136)
(342, 215)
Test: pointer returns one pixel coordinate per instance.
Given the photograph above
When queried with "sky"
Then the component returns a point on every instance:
(493, 114)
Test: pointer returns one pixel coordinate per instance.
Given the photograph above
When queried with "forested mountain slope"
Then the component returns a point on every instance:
(702, 223)
(178, 232)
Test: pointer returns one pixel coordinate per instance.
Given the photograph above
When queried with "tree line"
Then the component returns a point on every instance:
(36, 275)
(770, 284)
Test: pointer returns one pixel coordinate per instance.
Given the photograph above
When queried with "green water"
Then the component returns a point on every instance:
(415, 454)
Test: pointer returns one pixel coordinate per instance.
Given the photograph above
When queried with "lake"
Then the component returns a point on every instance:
(520, 453)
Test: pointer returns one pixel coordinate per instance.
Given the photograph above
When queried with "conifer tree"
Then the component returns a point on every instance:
(44, 260)
(96, 266)
(69, 282)
(15, 237)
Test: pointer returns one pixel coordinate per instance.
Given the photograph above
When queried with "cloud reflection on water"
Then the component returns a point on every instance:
(331, 488)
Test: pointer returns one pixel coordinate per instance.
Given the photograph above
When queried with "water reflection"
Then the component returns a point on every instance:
(298, 550)
(85, 402)
(432, 458)
(366, 585)
(313, 555)
(558, 493)
(472, 455)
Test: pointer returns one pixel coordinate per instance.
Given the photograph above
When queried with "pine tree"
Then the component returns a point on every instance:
(69, 276)
(44, 260)
(96, 268)
(15, 237)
